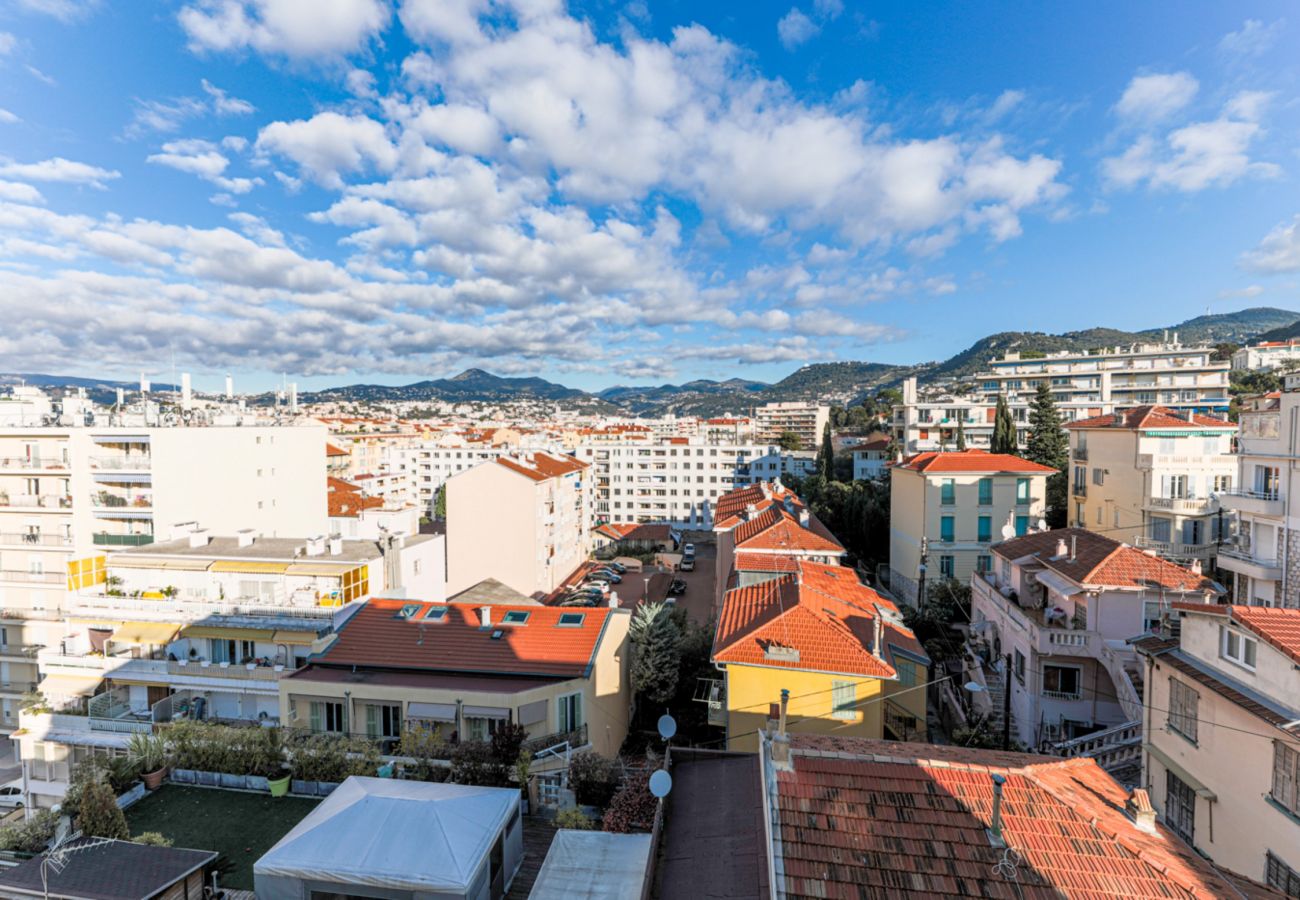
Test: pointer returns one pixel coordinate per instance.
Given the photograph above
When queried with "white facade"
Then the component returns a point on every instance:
(807, 420)
(1263, 357)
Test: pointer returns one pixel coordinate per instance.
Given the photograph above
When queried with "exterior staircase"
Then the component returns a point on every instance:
(1118, 750)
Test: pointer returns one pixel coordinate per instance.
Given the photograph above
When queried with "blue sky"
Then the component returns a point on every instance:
(607, 192)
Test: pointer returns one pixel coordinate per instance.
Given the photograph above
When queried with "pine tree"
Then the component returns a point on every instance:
(100, 815)
(826, 456)
(961, 432)
(1049, 445)
(658, 645)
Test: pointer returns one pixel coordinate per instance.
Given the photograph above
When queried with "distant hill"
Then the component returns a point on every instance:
(472, 385)
(101, 390)
(1285, 333)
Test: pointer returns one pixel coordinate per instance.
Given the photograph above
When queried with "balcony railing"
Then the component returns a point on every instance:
(104, 539)
(1081, 454)
(29, 539)
(1061, 695)
(1176, 549)
(105, 500)
(32, 577)
(1245, 554)
(1079, 489)
(574, 738)
(26, 651)
(130, 463)
(246, 671)
(22, 462)
(36, 501)
(1192, 506)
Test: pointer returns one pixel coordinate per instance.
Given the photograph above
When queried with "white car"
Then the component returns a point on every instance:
(603, 585)
(688, 550)
(11, 795)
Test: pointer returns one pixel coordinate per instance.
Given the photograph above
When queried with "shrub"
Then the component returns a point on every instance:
(507, 741)
(99, 814)
(146, 752)
(473, 762)
(152, 838)
(633, 807)
(593, 779)
(573, 818)
(31, 836)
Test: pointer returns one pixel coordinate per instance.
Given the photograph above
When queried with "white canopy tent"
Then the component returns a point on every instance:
(593, 865)
(398, 840)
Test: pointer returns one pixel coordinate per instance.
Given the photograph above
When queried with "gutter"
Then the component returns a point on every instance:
(771, 825)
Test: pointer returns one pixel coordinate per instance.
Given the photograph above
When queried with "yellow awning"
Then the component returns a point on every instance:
(146, 633)
(69, 685)
(295, 637)
(135, 561)
(329, 570)
(249, 567)
(187, 565)
(228, 632)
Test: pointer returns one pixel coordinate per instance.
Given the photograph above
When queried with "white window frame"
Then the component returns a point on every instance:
(1237, 648)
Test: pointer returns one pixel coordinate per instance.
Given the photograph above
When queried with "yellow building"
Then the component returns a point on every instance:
(952, 507)
(838, 648)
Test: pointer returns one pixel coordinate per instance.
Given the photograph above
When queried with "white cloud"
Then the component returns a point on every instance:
(329, 144)
(1254, 38)
(201, 158)
(1004, 105)
(63, 10)
(57, 169)
(225, 105)
(796, 28)
(1150, 98)
(1246, 293)
(8, 118)
(7, 43)
(19, 192)
(1278, 252)
(294, 28)
(41, 76)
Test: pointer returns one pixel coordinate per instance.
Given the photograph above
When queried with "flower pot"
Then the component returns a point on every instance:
(278, 786)
(153, 780)
(208, 779)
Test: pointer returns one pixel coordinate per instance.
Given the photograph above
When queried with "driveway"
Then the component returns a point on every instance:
(698, 599)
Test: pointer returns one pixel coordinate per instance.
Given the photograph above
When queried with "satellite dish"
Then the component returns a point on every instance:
(1008, 532)
(667, 727)
(661, 783)
(1042, 524)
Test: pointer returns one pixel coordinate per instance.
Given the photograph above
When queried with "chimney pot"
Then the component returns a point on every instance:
(995, 823)
(1138, 806)
(1061, 549)
(485, 616)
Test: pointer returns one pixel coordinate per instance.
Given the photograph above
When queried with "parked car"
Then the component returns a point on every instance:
(11, 795)
(688, 550)
(606, 574)
(617, 567)
(677, 588)
(687, 564)
(603, 585)
(579, 601)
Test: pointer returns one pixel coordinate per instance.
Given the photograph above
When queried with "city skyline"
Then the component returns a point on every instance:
(601, 194)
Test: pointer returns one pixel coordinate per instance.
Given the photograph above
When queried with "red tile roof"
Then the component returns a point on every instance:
(1099, 560)
(728, 508)
(822, 612)
(345, 500)
(776, 530)
(375, 637)
(541, 466)
(867, 818)
(331, 450)
(1279, 627)
(1140, 417)
(765, 562)
(974, 461)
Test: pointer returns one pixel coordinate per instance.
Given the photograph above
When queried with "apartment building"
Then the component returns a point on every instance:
(807, 420)
(1262, 563)
(1221, 756)
(677, 480)
(1061, 604)
(461, 671)
(428, 466)
(1150, 476)
(524, 520)
(948, 509)
(871, 457)
(1266, 355)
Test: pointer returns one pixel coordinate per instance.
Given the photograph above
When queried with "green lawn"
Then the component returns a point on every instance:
(239, 826)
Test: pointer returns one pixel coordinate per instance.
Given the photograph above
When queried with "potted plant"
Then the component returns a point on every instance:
(277, 780)
(147, 753)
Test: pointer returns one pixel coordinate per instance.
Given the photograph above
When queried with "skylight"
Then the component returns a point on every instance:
(436, 614)
(515, 617)
(407, 611)
(572, 620)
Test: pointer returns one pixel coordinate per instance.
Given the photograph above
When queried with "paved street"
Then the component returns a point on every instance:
(698, 599)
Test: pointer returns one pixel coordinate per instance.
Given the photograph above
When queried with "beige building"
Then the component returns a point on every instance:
(1150, 476)
(461, 671)
(1222, 750)
(524, 520)
(948, 509)
(807, 420)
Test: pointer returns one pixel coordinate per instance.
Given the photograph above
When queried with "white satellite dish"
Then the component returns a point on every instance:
(667, 727)
(661, 783)
(1042, 524)
(1008, 532)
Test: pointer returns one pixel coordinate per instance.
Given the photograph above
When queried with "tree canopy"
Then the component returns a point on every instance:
(1049, 445)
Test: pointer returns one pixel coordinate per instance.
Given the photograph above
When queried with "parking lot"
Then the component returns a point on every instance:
(652, 583)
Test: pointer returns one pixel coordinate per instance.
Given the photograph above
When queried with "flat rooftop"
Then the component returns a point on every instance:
(268, 549)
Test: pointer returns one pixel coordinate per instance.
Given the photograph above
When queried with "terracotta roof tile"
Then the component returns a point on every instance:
(1140, 417)
(972, 461)
(1279, 627)
(729, 507)
(765, 562)
(1101, 560)
(345, 500)
(376, 637)
(865, 818)
(775, 529)
(541, 466)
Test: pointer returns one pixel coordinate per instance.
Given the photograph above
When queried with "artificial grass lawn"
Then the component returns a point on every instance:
(240, 826)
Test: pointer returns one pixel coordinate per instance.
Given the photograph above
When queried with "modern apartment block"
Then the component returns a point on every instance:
(1221, 753)
(1266, 355)
(1062, 604)
(523, 519)
(805, 419)
(1263, 560)
(948, 509)
(1150, 476)
(428, 466)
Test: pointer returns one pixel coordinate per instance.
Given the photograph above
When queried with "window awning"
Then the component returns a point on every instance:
(532, 713)
(486, 712)
(228, 632)
(295, 637)
(69, 685)
(1169, 763)
(1061, 585)
(187, 565)
(147, 633)
(439, 712)
(134, 561)
(249, 567)
(327, 569)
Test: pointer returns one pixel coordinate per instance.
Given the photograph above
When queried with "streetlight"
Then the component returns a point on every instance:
(645, 597)
(975, 688)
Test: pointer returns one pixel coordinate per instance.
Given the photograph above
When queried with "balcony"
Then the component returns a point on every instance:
(1183, 506)
(35, 502)
(1079, 489)
(131, 462)
(1176, 549)
(1258, 503)
(130, 506)
(19, 652)
(244, 672)
(1080, 454)
(104, 539)
(33, 541)
(1252, 563)
(33, 464)
(23, 576)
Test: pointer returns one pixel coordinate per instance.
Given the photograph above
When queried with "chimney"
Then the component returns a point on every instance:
(995, 825)
(613, 599)
(1139, 809)
(878, 639)
(1196, 567)
(485, 617)
(316, 545)
(245, 537)
(750, 511)
(336, 544)
(144, 384)
(1061, 549)
(1074, 547)
(781, 758)
(199, 537)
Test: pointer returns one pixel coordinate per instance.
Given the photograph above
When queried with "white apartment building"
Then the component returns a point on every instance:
(677, 480)
(1150, 476)
(1266, 355)
(427, 467)
(1263, 561)
(524, 520)
(806, 419)
(871, 457)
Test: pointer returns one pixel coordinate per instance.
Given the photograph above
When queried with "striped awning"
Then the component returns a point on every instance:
(134, 561)
(249, 567)
(295, 637)
(329, 570)
(228, 632)
(147, 633)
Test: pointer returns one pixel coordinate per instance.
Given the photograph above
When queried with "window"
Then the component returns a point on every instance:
(436, 614)
(1183, 703)
(569, 708)
(1281, 876)
(571, 620)
(229, 651)
(1222, 483)
(1062, 682)
(1022, 490)
(946, 528)
(1286, 777)
(906, 673)
(1266, 481)
(383, 720)
(515, 617)
(947, 567)
(984, 531)
(326, 716)
(1098, 476)
(1019, 666)
(947, 492)
(844, 700)
(1180, 806)
(983, 563)
(986, 491)
(1236, 647)
(1022, 525)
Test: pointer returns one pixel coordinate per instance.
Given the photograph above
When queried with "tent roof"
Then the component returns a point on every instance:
(593, 865)
(408, 835)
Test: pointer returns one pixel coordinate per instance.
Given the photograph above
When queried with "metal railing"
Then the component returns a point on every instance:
(1061, 695)
(23, 462)
(135, 461)
(576, 737)
(1245, 554)
(1253, 495)
(32, 539)
(245, 671)
(32, 577)
(106, 500)
(1099, 741)
(36, 501)
(25, 650)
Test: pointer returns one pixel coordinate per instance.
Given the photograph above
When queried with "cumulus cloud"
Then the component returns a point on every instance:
(202, 158)
(796, 28)
(63, 10)
(7, 43)
(57, 169)
(1278, 252)
(1154, 97)
(1254, 38)
(293, 28)
(330, 144)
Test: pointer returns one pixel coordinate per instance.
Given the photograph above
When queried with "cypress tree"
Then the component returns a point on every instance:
(1049, 445)
(961, 432)
(1004, 428)
(658, 652)
(826, 456)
